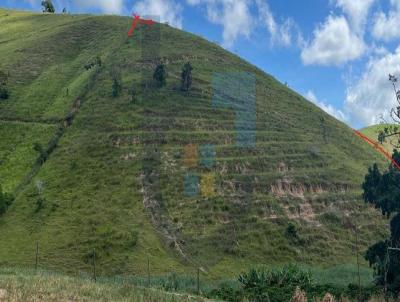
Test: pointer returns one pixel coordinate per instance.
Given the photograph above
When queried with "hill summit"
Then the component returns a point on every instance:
(238, 171)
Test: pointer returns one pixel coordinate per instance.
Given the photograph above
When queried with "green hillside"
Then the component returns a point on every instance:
(114, 171)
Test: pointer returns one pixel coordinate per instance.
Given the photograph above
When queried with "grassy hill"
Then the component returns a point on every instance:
(114, 173)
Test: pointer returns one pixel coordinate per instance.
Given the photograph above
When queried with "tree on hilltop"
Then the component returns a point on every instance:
(48, 6)
(160, 75)
(116, 87)
(133, 92)
(4, 94)
(186, 77)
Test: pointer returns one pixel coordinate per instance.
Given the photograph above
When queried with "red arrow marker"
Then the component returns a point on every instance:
(136, 21)
(134, 24)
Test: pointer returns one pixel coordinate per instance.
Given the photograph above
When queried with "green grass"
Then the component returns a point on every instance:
(342, 275)
(16, 149)
(27, 285)
(306, 167)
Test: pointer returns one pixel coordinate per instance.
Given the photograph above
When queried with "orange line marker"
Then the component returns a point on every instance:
(378, 147)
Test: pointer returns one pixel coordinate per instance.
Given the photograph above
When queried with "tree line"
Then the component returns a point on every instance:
(160, 76)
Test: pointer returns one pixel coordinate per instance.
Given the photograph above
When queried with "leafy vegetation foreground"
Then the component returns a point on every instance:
(279, 285)
(124, 152)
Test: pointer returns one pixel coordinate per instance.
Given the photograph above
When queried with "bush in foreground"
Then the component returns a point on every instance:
(287, 284)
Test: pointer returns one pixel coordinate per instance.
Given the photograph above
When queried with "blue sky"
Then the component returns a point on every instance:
(337, 53)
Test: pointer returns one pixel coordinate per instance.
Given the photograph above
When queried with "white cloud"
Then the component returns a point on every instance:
(168, 10)
(334, 43)
(339, 39)
(357, 11)
(386, 26)
(372, 95)
(106, 6)
(328, 108)
(233, 15)
(281, 34)
(376, 50)
(238, 20)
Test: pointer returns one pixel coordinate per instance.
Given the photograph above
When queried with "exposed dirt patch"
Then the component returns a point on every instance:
(283, 188)
(3, 294)
(128, 157)
(169, 163)
(160, 220)
(303, 211)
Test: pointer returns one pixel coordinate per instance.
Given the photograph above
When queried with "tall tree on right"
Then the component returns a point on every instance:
(383, 191)
(186, 77)
(392, 130)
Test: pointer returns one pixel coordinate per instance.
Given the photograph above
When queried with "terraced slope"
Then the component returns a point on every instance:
(208, 178)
